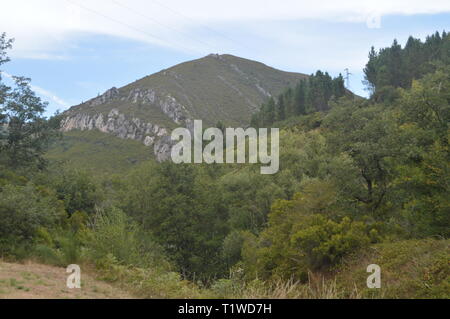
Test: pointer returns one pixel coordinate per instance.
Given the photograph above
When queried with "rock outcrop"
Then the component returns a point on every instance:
(109, 95)
(167, 103)
(118, 125)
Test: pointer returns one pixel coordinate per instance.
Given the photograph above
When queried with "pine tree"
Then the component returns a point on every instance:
(338, 86)
(281, 108)
(396, 67)
(370, 71)
(299, 98)
(269, 113)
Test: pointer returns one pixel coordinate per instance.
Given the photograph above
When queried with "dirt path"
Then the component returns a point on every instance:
(36, 281)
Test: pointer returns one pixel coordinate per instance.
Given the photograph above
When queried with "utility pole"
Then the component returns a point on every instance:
(347, 78)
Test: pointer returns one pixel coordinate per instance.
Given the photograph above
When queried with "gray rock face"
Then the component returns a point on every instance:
(146, 96)
(167, 103)
(162, 148)
(120, 126)
(109, 95)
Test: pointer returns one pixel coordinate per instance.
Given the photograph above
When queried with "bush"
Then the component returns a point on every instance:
(231, 248)
(48, 255)
(154, 282)
(113, 232)
(77, 189)
(324, 242)
(305, 234)
(23, 210)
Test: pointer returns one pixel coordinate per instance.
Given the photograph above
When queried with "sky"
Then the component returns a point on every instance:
(75, 49)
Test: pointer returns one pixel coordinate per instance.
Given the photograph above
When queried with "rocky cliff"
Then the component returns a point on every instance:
(129, 127)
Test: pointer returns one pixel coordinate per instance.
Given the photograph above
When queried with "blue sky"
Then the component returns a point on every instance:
(75, 49)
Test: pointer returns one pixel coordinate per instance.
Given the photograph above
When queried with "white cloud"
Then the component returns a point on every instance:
(43, 27)
(42, 92)
(49, 95)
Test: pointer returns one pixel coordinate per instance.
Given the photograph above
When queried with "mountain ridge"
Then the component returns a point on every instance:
(213, 88)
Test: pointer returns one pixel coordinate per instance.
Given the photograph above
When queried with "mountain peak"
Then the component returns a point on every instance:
(213, 88)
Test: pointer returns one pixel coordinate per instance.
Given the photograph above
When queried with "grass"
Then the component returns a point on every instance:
(107, 154)
(13, 283)
(315, 289)
(409, 269)
(30, 280)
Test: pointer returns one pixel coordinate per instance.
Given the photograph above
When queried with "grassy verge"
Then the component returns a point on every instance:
(409, 269)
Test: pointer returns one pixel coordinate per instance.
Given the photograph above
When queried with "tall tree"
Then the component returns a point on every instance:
(300, 98)
(281, 108)
(25, 132)
(396, 67)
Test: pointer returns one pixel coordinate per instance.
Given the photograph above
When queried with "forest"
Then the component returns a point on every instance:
(361, 181)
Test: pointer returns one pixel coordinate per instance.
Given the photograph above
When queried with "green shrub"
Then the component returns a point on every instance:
(113, 232)
(78, 220)
(232, 247)
(77, 189)
(152, 282)
(324, 242)
(70, 248)
(23, 211)
(304, 234)
(47, 255)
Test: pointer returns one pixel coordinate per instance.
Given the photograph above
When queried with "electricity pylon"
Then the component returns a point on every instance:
(347, 78)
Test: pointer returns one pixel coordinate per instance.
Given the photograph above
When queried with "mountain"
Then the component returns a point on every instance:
(214, 88)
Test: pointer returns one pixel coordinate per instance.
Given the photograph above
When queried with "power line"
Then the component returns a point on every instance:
(125, 24)
(202, 25)
(186, 35)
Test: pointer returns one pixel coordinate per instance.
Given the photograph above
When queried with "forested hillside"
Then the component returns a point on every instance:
(308, 96)
(395, 67)
(361, 181)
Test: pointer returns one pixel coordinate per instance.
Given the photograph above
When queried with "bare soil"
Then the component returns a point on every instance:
(36, 281)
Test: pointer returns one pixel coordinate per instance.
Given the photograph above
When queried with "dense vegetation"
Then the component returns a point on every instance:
(360, 181)
(309, 95)
(395, 67)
